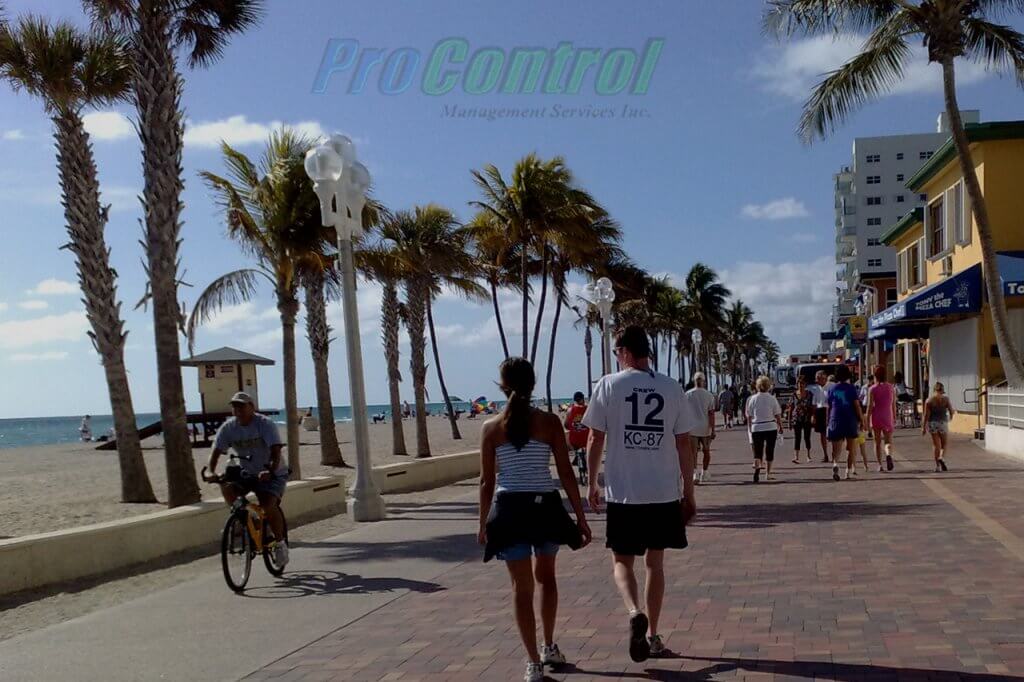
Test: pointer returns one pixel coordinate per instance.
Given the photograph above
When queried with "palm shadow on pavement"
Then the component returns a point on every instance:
(321, 583)
(771, 514)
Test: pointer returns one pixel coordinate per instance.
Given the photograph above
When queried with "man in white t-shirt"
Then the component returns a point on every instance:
(819, 420)
(645, 420)
(704, 405)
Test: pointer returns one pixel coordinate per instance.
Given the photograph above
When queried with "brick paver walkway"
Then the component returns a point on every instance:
(907, 575)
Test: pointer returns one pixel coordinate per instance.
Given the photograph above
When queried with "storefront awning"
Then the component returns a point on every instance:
(1011, 272)
(956, 295)
(895, 332)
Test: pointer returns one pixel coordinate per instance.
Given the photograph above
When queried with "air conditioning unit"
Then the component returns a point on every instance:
(947, 266)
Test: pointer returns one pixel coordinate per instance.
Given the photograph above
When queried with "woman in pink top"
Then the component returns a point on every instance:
(882, 413)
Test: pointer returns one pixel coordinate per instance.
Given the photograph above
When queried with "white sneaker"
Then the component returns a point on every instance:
(697, 475)
(551, 655)
(846, 475)
(281, 553)
(657, 646)
(534, 672)
(705, 476)
(881, 469)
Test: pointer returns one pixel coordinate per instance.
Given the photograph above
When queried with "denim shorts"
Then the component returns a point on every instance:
(525, 551)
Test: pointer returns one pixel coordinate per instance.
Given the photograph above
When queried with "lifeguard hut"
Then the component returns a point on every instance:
(222, 373)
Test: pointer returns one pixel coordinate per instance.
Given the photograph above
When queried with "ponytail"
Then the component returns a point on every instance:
(517, 382)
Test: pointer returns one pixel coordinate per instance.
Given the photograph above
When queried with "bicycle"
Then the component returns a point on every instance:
(579, 460)
(246, 532)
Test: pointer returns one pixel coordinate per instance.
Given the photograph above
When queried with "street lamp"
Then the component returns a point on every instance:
(601, 295)
(695, 338)
(721, 363)
(867, 296)
(341, 182)
(743, 367)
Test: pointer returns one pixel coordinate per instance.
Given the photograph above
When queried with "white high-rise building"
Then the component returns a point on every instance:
(870, 197)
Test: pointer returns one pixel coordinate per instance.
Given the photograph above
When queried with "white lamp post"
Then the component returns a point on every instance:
(601, 295)
(695, 338)
(867, 296)
(341, 182)
(721, 364)
(743, 367)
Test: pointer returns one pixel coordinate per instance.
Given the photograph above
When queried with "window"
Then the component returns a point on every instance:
(909, 267)
(899, 177)
(874, 179)
(873, 158)
(922, 197)
(874, 262)
(960, 213)
(874, 221)
(924, 155)
(874, 201)
(899, 156)
(935, 228)
(890, 297)
(872, 241)
(899, 198)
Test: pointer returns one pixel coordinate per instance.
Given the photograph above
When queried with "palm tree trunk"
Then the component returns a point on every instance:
(588, 349)
(415, 298)
(157, 92)
(525, 283)
(668, 359)
(654, 350)
(497, 317)
(319, 334)
(551, 346)
(1009, 353)
(289, 309)
(86, 222)
(440, 375)
(545, 264)
(389, 330)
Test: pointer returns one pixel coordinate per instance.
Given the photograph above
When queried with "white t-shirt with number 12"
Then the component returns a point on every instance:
(641, 413)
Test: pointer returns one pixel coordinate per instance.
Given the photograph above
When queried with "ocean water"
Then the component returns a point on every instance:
(15, 433)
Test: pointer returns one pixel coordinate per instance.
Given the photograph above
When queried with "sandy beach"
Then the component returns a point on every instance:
(54, 487)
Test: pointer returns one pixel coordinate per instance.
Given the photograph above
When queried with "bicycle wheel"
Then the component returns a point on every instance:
(268, 555)
(236, 553)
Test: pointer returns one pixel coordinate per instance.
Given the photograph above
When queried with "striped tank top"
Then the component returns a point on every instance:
(525, 471)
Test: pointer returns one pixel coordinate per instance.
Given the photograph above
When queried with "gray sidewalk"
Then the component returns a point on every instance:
(200, 630)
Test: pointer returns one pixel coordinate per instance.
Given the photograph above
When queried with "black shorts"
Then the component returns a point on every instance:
(632, 529)
(820, 425)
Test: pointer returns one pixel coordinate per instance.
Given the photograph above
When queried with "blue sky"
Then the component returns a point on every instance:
(712, 172)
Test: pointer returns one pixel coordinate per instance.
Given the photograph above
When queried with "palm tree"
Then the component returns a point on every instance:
(704, 298)
(156, 30)
(589, 318)
(949, 29)
(315, 284)
(495, 255)
(384, 265)
(69, 71)
(274, 215)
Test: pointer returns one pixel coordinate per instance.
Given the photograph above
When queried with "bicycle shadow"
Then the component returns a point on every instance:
(322, 583)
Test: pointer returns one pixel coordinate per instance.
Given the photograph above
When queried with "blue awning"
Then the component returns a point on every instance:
(895, 332)
(956, 295)
(1011, 272)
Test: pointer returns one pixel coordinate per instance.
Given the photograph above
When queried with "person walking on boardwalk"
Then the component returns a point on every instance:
(803, 418)
(820, 419)
(727, 403)
(882, 414)
(845, 421)
(937, 413)
(645, 420)
(703, 402)
(764, 422)
(525, 522)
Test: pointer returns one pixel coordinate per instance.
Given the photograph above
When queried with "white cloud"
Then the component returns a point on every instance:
(778, 209)
(108, 125)
(3, 306)
(18, 334)
(54, 287)
(792, 300)
(13, 135)
(239, 131)
(793, 69)
(804, 237)
(33, 305)
(38, 357)
(265, 340)
(120, 197)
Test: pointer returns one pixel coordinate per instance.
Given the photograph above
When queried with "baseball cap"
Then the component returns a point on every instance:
(241, 398)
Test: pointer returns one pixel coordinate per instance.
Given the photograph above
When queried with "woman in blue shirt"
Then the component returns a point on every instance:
(845, 420)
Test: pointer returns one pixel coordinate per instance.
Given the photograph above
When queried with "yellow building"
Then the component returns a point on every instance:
(941, 324)
(222, 373)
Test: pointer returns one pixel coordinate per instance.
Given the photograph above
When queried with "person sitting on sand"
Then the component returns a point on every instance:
(85, 430)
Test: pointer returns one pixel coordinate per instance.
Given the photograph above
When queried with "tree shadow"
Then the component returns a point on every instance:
(841, 672)
(767, 515)
(454, 547)
(321, 583)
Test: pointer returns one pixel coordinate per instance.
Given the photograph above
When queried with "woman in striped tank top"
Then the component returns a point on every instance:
(522, 519)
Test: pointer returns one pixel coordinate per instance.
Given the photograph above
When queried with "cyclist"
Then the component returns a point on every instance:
(578, 433)
(257, 444)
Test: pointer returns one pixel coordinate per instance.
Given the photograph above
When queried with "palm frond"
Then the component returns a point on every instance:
(996, 46)
(230, 289)
(814, 17)
(204, 27)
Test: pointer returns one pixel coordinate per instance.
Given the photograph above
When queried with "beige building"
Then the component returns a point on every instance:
(222, 373)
